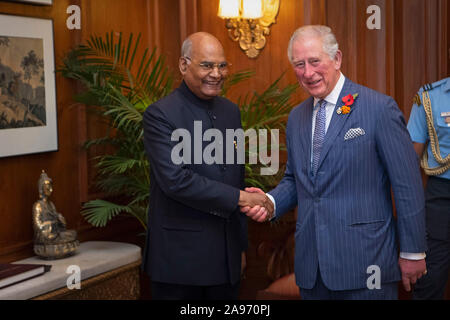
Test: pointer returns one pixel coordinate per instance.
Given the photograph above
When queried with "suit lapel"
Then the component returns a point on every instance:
(305, 133)
(337, 120)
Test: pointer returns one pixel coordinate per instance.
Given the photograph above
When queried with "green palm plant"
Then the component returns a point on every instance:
(119, 87)
(268, 110)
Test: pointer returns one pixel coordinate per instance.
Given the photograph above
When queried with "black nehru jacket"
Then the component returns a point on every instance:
(196, 232)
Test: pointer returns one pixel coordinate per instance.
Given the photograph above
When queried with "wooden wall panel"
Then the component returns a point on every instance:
(148, 18)
(411, 49)
(19, 174)
(99, 18)
(412, 39)
(69, 166)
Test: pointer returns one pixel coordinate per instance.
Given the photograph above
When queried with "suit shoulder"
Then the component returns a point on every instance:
(377, 102)
(366, 91)
(168, 103)
(380, 97)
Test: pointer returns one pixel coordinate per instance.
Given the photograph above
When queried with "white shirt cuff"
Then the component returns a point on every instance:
(274, 205)
(412, 256)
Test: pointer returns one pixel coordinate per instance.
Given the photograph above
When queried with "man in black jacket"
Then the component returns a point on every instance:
(196, 232)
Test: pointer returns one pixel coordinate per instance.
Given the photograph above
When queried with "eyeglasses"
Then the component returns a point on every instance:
(209, 66)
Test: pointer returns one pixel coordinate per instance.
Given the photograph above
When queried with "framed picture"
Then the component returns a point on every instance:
(46, 2)
(28, 122)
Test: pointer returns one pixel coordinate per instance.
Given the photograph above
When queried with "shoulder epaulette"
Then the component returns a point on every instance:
(427, 87)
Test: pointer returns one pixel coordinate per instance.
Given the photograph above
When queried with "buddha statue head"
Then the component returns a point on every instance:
(45, 185)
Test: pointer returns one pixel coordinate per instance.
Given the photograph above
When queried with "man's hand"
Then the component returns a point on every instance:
(248, 199)
(411, 271)
(259, 213)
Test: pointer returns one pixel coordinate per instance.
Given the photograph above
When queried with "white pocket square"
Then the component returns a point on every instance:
(354, 133)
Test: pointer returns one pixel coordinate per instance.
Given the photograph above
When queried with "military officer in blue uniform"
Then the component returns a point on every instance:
(429, 127)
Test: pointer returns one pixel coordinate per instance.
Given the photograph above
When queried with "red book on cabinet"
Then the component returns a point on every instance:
(14, 273)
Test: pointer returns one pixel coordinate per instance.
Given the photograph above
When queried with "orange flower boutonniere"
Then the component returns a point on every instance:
(348, 102)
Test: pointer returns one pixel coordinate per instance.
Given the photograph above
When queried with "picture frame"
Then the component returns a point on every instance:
(40, 2)
(28, 119)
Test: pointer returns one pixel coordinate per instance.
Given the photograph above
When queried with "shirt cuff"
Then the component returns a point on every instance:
(274, 206)
(412, 256)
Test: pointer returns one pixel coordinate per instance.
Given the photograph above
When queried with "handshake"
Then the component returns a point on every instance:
(256, 205)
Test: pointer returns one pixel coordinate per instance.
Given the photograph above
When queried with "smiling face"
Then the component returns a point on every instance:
(206, 49)
(314, 68)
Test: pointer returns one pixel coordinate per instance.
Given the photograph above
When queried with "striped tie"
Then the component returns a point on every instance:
(319, 135)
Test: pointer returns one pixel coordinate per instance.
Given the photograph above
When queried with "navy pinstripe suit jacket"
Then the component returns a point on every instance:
(345, 216)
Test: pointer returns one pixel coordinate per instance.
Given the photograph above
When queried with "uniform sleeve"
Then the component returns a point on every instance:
(417, 125)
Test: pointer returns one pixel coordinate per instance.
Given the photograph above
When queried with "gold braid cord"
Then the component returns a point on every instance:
(444, 164)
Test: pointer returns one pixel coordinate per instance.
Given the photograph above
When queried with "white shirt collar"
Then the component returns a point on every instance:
(333, 97)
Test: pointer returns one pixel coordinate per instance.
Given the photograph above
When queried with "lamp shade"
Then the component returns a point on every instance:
(252, 9)
(229, 8)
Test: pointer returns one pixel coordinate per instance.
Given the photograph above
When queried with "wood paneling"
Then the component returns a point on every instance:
(411, 49)
(69, 166)
(406, 53)
(19, 175)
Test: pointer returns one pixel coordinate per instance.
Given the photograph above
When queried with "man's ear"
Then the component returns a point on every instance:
(182, 64)
(338, 60)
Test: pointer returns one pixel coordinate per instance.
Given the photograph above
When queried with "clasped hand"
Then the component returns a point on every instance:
(255, 204)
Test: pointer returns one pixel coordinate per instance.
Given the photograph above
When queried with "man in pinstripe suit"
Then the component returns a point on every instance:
(347, 147)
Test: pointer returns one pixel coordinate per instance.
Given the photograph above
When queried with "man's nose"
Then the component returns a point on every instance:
(215, 72)
(309, 72)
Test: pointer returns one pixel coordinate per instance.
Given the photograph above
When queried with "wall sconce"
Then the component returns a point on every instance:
(248, 21)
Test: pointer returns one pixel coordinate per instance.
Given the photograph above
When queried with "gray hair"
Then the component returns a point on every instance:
(186, 48)
(330, 44)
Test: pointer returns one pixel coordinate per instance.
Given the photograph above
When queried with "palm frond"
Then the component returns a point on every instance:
(112, 59)
(113, 164)
(235, 79)
(100, 212)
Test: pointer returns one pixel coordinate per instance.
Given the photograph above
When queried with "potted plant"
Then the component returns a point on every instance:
(119, 86)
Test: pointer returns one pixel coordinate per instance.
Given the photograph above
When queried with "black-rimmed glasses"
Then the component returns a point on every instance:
(209, 66)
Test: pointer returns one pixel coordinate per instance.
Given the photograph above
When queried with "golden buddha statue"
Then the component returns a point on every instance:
(51, 238)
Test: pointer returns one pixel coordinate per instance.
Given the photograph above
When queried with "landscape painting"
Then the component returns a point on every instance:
(28, 121)
(22, 83)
